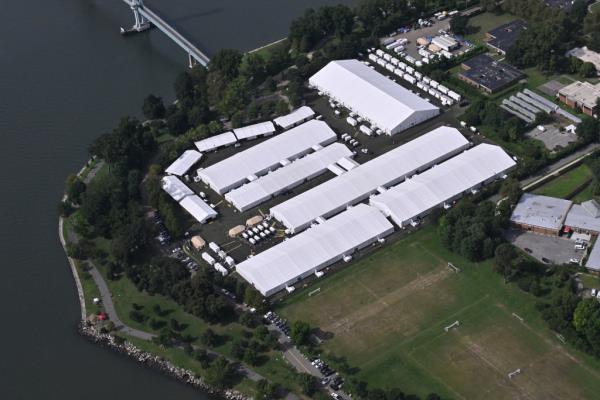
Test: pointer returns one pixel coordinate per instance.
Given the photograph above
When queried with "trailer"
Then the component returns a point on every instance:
(381, 62)
(443, 89)
(387, 57)
(402, 65)
(418, 75)
(395, 61)
(366, 130)
(434, 84)
(208, 258)
(410, 70)
(373, 57)
(390, 67)
(379, 52)
(351, 121)
(426, 79)
(399, 72)
(410, 79)
(454, 96)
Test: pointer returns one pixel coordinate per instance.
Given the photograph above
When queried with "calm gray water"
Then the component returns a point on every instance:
(66, 76)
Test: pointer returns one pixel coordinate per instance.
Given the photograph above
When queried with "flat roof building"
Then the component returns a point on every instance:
(185, 161)
(379, 100)
(593, 261)
(443, 184)
(489, 75)
(356, 185)
(445, 42)
(540, 214)
(586, 55)
(294, 118)
(580, 96)
(584, 217)
(502, 38)
(266, 156)
(298, 257)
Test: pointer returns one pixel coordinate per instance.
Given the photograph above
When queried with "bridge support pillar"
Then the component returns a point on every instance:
(192, 62)
(141, 23)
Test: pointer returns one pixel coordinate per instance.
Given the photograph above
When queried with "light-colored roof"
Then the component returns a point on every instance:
(314, 249)
(442, 183)
(593, 261)
(287, 177)
(198, 242)
(184, 162)
(175, 188)
(357, 184)
(584, 216)
(380, 100)
(586, 55)
(251, 131)
(234, 171)
(301, 114)
(214, 142)
(541, 211)
(582, 92)
(257, 219)
(198, 208)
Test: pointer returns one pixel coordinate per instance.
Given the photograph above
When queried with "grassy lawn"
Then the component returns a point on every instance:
(585, 195)
(485, 22)
(386, 314)
(590, 281)
(564, 185)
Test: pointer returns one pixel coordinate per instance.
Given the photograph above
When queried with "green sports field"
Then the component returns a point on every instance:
(386, 314)
(565, 185)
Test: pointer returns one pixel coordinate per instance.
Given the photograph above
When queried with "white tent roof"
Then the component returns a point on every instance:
(357, 184)
(184, 162)
(443, 182)
(314, 249)
(175, 188)
(201, 211)
(301, 114)
(214, 142)
(372, 95)
(233, 171)
(250, 131)
(262, 189)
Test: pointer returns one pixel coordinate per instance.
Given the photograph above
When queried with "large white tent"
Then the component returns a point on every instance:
(294, 118)
(379, 100)
(318, 247)
(443, 183)
(184, 162)
(214, 142)
(357, 184)
(265, 156)
(198, 208)
(254, 131)
(175, 188)
(287, 177)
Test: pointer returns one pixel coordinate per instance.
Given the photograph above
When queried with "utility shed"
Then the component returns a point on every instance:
(287, 177)
(357, 184)
(540, 214)
(175, 188)
(294, 118)
(443, 183)
(214, 142)
(584, 218)
(254, 131)
(198, 208)
(184, 162)
(374, 97)
(265, 156)
(301, 256)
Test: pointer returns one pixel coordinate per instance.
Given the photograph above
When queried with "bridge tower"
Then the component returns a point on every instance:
(141, 23)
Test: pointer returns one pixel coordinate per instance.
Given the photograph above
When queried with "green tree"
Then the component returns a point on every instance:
(153, 107)
(74, 188)
(220, 373)
(459, 24)
(588, 130)
(300, 333)
(308, 383)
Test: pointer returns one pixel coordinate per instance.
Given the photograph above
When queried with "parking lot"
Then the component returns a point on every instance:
(412, 36)
(548, 249)
(552, 137)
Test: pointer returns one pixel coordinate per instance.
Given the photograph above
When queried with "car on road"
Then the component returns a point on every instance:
(335, 396)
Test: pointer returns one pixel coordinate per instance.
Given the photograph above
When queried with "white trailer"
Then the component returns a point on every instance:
(381, 62)
(425, 60)
(351, 121)
(402, 65)
(366, 130)
(455, 96)
(390, 67)
(387, 57)
(410, 70)
(395, 61)
(208, 258)
(373, 57)
(410, 59)
(443, 89)
(418, 75)
(379, 52)
(410, 79)
(426, 79)
(434, 84)
(398, 72)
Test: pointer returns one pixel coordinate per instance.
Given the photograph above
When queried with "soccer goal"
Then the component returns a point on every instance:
(313, 292)
(455, 324)
(514, 373)
(453, 267)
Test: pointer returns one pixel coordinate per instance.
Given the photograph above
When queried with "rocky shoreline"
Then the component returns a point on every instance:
(158, 363)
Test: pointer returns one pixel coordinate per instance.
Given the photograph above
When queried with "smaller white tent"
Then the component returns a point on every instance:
(294, 118)
(214, 142)
(198, 208)
(175, 188)
(185, 161)
(254, 131)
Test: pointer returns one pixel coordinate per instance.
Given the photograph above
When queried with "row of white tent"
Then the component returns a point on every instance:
(287, 177)
(190, 157)
(358, 184)
(248, 165)
(359, 225)
(191, 202)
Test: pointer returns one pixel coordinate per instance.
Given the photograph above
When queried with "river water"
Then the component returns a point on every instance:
(66, 76)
